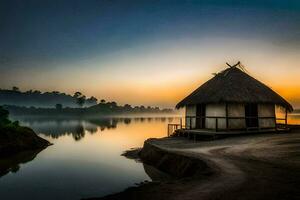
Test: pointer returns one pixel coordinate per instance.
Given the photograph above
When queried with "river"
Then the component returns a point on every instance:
(85, 160)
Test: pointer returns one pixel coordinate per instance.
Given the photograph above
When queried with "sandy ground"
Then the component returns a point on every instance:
(246, 168)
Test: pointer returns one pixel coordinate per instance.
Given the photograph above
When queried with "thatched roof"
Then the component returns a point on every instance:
(234, 86)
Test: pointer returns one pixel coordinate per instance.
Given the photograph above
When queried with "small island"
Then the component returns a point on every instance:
(15, 138)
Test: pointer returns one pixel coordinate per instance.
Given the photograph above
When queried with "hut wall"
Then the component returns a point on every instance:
(266, 110)
(236, 110)
(215, 110)
(190, 111)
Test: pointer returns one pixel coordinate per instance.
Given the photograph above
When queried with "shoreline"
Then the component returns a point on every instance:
(262, 166)
(18, 145)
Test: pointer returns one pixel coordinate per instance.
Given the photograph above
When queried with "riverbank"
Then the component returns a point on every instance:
(18, 145)
(15, 139)
(245, 167)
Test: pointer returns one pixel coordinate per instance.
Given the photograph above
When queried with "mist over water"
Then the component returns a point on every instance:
(85, 160)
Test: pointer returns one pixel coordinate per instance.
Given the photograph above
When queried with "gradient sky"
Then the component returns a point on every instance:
(147, 52)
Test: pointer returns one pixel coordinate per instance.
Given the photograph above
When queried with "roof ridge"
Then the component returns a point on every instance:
(234, 84)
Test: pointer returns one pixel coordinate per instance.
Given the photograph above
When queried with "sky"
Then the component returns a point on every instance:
(147, 52)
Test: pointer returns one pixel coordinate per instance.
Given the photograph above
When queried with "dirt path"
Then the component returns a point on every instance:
(247, 168)
(253, 167)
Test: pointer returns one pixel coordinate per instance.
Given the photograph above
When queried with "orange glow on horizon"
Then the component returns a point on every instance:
(164, 73)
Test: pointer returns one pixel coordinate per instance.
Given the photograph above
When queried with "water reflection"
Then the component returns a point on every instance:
(12, 163)
(85, 159)
(294, 118)
(78, 128)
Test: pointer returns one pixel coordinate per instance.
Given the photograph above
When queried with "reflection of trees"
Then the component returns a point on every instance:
(12, 163)
(91, 128)
(105, 123)
(59, 127)
(78, 134)
(77, 128)
(127, 121)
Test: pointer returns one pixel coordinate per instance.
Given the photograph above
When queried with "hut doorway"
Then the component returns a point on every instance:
(200, 116)
(251, 114)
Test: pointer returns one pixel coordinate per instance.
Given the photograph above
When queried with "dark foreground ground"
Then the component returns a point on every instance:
(16, 139)
(240, 168)
(18, 145)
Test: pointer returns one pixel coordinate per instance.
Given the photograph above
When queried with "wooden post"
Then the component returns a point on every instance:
(216, 124)
(275, 121)
(258, 118)
(180, 123)
(186, 122)
(285, 117)
(226, 116)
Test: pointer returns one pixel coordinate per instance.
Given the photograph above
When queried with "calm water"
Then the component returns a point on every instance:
(85, 159)
(294, 118)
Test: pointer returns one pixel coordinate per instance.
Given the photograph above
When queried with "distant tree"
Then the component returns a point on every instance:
(15, 89)
(142, 108)
(58, 106)
(77, 94)
(92, 100)
(113, 104)
(136, 108)
(127, 107)
(81, 100)
(55, 92)
(168, 110)
(102, 101)
(37, 92)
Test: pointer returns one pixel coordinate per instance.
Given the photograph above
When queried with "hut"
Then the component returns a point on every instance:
(233, 101)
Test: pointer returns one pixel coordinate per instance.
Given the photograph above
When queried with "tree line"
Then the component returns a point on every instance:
(102, 108)
(56, 103)
(37, 98)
